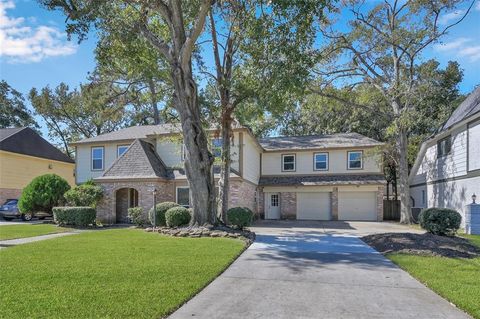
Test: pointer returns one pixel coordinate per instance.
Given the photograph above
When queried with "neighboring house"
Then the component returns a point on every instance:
(446, 172)
(327, 177)
(25, 155)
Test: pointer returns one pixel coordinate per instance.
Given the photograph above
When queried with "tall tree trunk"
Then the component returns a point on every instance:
(224, 182)
(402, 143)
(153, 101)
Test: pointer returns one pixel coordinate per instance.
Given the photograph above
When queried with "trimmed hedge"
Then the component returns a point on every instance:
(177, 216)
(137, 216)
(43, 193)
(77, 216)
(440, 221)
(86, 194)
(161, 209)
(240, 217)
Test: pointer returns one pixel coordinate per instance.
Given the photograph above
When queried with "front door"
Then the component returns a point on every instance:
(272, 206)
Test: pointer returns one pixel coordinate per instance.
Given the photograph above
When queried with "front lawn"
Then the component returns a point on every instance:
(29, 230)
(119, 273)
(455, 279)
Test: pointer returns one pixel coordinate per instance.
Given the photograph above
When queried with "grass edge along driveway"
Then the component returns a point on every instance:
(455, 279)
(120, 273)
(29, 230)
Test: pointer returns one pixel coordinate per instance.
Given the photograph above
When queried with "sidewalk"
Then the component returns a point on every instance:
(21, 241)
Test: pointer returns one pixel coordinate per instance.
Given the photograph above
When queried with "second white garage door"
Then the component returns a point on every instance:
(357, 206)
(313, 206)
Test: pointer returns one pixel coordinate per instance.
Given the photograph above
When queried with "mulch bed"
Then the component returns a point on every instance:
(422, 244)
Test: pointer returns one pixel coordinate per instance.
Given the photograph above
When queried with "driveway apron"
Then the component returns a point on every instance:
(315, 273)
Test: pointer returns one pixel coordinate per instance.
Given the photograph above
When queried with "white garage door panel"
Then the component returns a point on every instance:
(313, 206)
(357, 206)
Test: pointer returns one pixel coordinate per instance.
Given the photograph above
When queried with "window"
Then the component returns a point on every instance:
(444, 146)
(217, 147)
(274, 200)
(288, 162)
(355, 160)
(424, 197)
(183, 196)
(121, 149)
(320, 162)
(184, 152)
(97, 158)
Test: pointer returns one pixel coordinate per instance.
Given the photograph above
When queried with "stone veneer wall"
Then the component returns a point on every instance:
(334, 203)
(381, 189)
(242, 194)
(106, 209)
(9, 193)
(288, 205)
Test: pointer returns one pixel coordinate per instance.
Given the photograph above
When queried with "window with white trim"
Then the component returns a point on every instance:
(121, 149)
(320, 161)
(355, 160)
(183, 196)
(97, 158)
(288, 162)
(444, 146)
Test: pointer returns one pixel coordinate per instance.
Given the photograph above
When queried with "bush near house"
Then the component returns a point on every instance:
(160, 210)
(240, 217)
(440, 221)
(137, 217)
(43, 193)
(177, 216)
(76, 216)
(86, 194)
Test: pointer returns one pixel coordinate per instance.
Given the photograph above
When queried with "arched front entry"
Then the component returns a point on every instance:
(125, 199)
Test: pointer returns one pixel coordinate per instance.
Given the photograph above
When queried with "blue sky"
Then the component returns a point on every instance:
(34, 51)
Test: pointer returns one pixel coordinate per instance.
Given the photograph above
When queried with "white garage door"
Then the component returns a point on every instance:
(313, 206)
(357, 206)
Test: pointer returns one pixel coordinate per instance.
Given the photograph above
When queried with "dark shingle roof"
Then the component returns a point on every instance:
(26, 141)
(320, 180)
(470, 106)
(139, 160)
(317, 141)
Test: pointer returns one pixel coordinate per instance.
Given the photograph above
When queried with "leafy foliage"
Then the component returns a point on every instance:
(86, 194)
(76, 216)
(440, 221)
(137, 216)
(14, 111)
(177, 216)
(240, 217)
(160, 210)
(43, 193)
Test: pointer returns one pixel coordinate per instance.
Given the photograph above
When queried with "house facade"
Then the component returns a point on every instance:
(25, 155)
(325, 177)
(446, 172)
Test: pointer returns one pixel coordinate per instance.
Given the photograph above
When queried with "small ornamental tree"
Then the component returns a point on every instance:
(87, 194)
(43, 193)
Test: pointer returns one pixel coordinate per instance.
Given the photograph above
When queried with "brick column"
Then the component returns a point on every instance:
(380, 203)
(334, 203)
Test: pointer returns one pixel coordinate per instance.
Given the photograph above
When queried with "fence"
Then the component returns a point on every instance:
(391, 209)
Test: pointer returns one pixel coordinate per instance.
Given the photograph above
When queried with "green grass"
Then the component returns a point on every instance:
(455, 279)
(120, 273)
(29, 230)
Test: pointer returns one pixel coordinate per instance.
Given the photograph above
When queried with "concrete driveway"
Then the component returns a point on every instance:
(294, 270)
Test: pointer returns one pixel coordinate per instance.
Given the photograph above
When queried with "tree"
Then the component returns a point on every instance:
(43, 193)
(172, 28)
(382, 47)
(14, 112)
(71, 115)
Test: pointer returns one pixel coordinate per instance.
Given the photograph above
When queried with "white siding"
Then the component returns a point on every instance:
(474, 146)
(83, 170)
(251, 159)
(272, 163)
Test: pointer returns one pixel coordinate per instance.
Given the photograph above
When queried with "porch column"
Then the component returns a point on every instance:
(334, 203)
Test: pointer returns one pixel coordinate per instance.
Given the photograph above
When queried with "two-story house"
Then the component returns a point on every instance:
(324, 177)
(446, 172)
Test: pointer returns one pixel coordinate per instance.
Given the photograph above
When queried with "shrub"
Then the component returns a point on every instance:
(440, 221)
(161, 209)
(43, 193)
(240, 217)
(177, 216)
(137, 216)
(77, 216)
(87, 194)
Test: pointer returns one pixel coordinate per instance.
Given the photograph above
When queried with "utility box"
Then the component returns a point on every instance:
(472, 219)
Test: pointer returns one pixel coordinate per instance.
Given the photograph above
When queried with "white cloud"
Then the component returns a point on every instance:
(461, 47)
(477, 6)
(451, 17)
(23, 43)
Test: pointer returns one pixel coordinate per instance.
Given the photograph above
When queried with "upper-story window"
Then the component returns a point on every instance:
(355, 159)
(97, 158)
(288, 162)
(121, 149)
(444, 146)
(217, 147)
(320, 161)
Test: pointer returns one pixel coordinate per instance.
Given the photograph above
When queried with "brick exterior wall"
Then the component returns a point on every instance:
(288, 205)
(242, 194)
(9, 193)
(261, 204)
(334, 203)
(381, 189)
